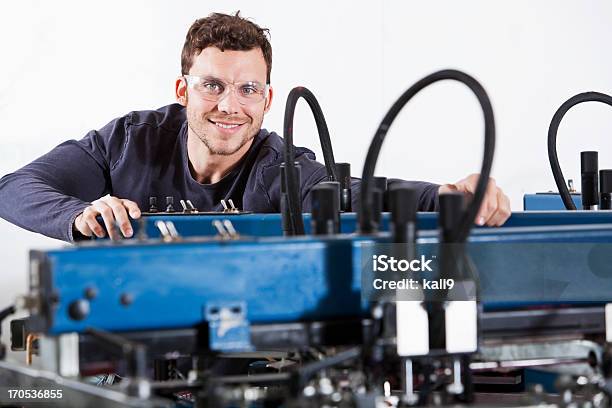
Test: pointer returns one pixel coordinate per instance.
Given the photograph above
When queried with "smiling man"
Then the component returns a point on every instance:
(207, 147)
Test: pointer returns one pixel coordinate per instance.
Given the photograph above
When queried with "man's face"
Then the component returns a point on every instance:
(226, 125)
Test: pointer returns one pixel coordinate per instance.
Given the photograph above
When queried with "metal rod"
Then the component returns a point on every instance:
(492, 365)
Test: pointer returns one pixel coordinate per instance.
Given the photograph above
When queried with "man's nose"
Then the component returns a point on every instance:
(228, 103)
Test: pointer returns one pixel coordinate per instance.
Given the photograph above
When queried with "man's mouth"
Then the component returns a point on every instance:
(225, 125)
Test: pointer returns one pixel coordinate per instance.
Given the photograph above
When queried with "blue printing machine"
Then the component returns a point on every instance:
(548, 201)
(307, 278)
(269, 225)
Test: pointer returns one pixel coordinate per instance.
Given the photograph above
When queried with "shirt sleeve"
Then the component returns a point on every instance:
(48, 194)
(426, 192)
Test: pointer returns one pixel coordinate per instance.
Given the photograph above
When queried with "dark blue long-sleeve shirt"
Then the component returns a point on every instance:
(144, 154)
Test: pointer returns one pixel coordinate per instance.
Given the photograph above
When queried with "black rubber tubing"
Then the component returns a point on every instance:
(552, 139)
(463, 230)
(293, 193)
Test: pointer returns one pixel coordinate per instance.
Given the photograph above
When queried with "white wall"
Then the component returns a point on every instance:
(68, 67)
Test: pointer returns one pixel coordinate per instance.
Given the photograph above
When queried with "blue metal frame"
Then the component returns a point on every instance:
(548, 202)
(295, 279)
(269, 225)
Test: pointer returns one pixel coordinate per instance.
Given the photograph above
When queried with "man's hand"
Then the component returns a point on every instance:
(111, 209)
(495, 207)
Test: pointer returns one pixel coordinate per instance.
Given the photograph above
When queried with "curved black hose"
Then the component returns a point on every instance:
(552, 139)
(293, 194)
(7, 311)
(463, 230)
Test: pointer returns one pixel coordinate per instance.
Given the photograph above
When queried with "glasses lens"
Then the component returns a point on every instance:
(214, 90)
(210, 89)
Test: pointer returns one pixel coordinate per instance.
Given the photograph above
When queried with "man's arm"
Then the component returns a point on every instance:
(47, 195)
(427, 192)
(494, 211)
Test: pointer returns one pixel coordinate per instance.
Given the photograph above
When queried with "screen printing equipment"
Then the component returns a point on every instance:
(596, 192)
(266, 310)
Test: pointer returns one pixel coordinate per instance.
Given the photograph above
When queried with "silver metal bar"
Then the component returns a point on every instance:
(230, 229)
(233, 208)
(492, 365)
(184, 205)
(225, 207)
(191, 206)
(221, 229)
(163, 229)
(172, 230)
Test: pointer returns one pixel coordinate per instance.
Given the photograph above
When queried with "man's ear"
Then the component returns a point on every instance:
(180, 90)
(269, 99)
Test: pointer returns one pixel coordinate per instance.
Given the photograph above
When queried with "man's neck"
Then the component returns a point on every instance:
(207, 167)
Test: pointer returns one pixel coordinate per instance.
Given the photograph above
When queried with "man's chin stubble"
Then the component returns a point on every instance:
(220, 152)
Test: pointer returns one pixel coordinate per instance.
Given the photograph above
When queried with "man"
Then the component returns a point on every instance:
(208, 147)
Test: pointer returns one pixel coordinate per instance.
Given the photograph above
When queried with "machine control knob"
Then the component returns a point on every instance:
(78, 309)
(588, 170)
(605, 188)
(344, 177)
(153, 204)
(169, 204)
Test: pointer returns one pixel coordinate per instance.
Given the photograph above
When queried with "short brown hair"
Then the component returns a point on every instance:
(225, 32)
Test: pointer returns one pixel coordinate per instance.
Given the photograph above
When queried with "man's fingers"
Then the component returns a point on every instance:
(93, 225)
(107, 215)
(503, 210)
(489, 204)
(120, 215)
(90, 222)
(114, 211)
(80, 223)
(495, 207)
(132, 208)
(487, 211)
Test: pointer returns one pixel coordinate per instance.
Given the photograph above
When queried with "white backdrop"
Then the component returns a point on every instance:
(68, 67)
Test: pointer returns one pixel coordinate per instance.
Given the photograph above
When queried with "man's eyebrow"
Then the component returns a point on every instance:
(217, 79)
(212, 78)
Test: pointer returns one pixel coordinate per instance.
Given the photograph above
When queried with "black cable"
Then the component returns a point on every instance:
(293, 194)
(4, 313)
(552, 139)
(365, 219)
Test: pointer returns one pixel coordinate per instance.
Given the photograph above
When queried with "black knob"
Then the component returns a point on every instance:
(377, 207)
(403, 207)
(402, 203)
(78, 309)
(153, 204)
(336, 186)
(452, 206)
(589, 162)
(588, 170)
(605, 188)
(343, 170)
(381, 184)
(325, 202)
(284, 204)
(605, 180)
(169, 204)
(298, 170)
